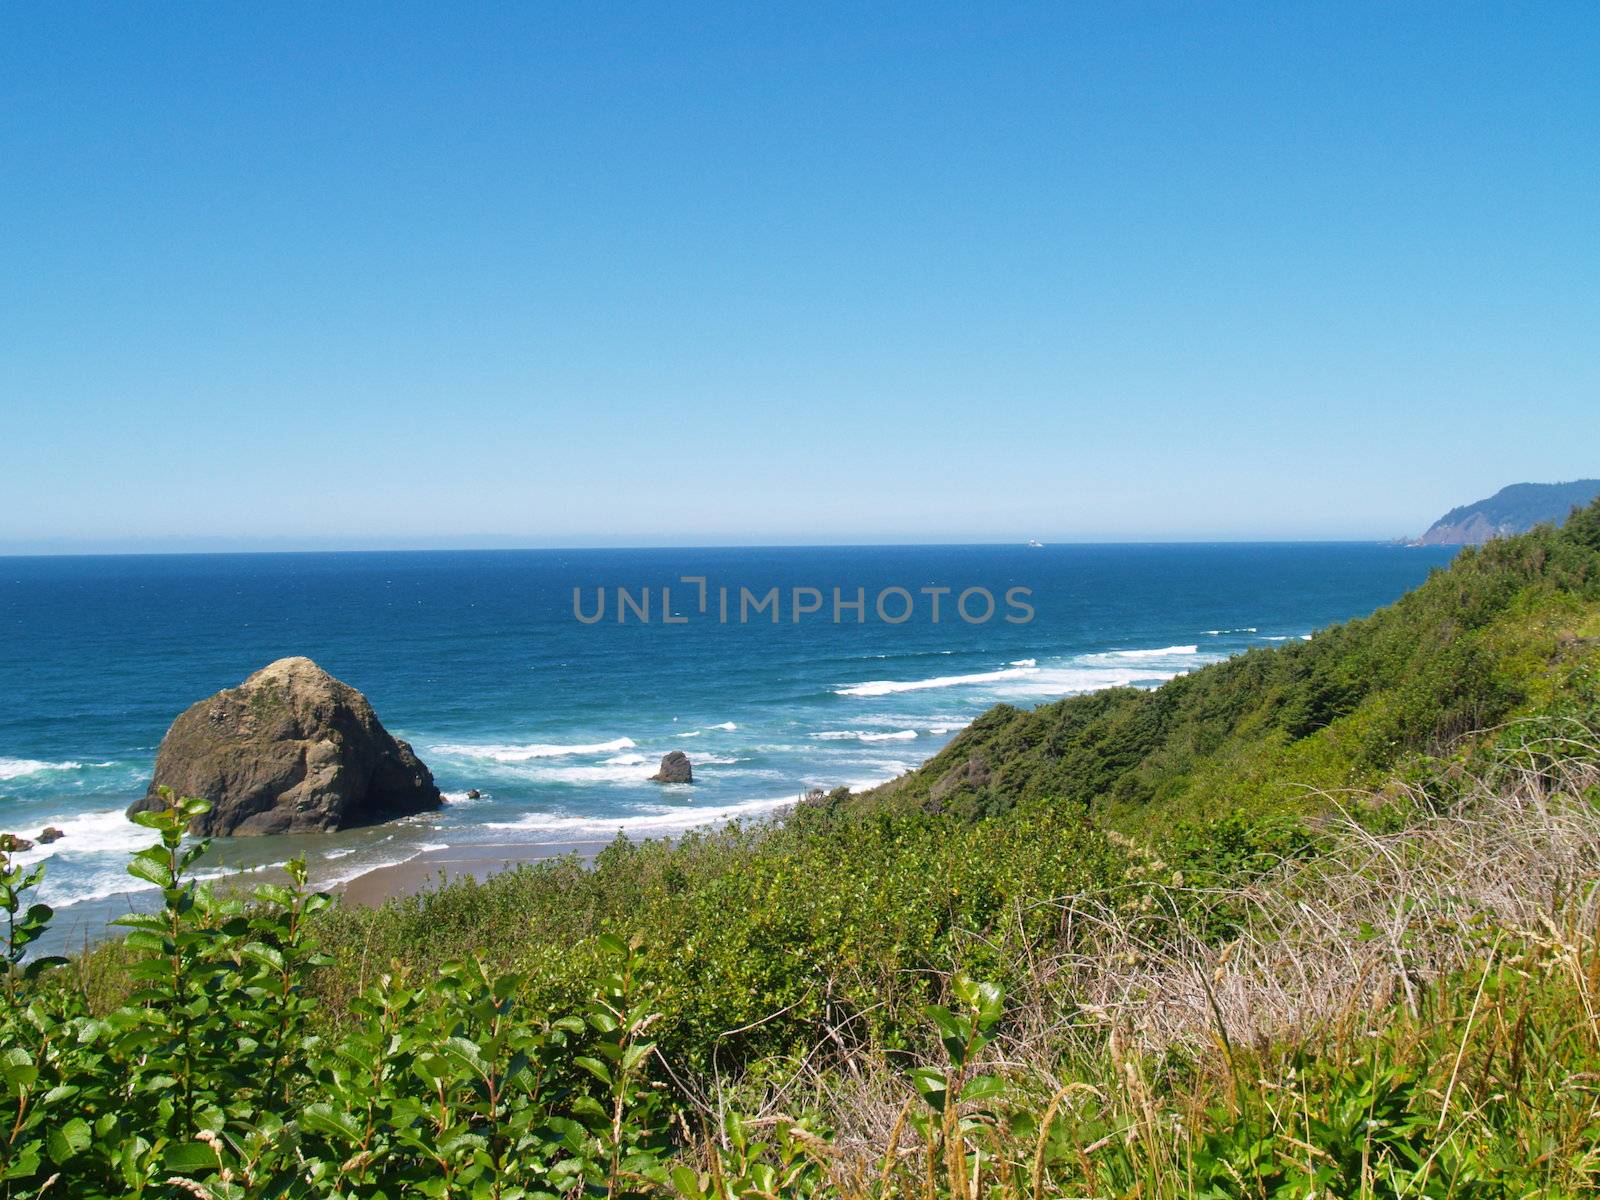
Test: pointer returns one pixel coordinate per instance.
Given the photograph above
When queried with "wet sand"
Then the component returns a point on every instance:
(431, 868)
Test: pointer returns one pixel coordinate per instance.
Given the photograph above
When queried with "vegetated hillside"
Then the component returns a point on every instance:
(1510, 628)
(1511, 510)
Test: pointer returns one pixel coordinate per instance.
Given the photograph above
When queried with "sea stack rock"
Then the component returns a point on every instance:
(290, 750)
(675, 768)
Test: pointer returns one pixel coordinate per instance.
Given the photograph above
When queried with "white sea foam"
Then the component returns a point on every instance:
(1161, 652)
(716, 760)
(103, 831)
(112, 879)
(627, 760)
(888, 687)
(1305, 637)
(726, 725)
(1220, 632)
(936, 729)
(1087, 674)
(16, 768)
(511, 753)
(661, 820)
(609, 772)
(1025, 662)
(96, 846)
(865, 735)
(357, 870)
(886, 771)
(342, 852)
(1074, 680)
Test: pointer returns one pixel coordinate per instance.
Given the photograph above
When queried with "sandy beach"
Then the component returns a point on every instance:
(435, 867)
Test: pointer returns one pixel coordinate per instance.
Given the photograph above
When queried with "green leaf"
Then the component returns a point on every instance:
(983, 1087)
(190, 1157)
(69, 1138)
(931, 1086)
(324, 1118)
(150, 867)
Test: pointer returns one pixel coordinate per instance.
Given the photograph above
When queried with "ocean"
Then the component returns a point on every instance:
(483, 661)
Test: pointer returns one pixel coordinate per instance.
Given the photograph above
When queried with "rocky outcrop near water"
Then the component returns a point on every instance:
(290, 750)
(675, 768)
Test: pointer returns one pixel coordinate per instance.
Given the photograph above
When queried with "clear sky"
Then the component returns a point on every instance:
(447, 274)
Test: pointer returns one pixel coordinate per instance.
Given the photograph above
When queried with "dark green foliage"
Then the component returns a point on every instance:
(210, 1080)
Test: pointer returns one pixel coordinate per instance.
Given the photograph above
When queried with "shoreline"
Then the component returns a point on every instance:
(86, 923)
(435, 868)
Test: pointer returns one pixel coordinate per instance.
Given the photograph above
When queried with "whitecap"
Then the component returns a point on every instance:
(512, 753)
(103, 831)
(1161, 652)
(887, 687)
(1025, 662)
(864, 735)
(16, 768)
(618, 773)
(1075, 680)
(661, 820)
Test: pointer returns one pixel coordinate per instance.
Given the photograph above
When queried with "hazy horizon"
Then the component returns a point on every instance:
(335, 545)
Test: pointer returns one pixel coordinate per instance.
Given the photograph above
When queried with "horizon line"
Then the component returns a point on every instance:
(471, 548)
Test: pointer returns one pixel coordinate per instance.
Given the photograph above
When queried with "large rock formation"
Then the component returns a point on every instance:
(290, 750)
(675, 768)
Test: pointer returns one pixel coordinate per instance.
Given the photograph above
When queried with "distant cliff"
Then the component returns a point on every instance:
(1511, 510)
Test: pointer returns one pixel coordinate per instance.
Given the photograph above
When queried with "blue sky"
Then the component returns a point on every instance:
(306, 275)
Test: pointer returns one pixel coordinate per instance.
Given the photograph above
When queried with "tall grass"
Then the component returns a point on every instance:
(1405, 1013)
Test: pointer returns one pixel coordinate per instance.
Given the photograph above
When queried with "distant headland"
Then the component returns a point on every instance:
(1511, 510)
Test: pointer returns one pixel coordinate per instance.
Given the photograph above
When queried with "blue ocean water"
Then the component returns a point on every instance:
(478, 659)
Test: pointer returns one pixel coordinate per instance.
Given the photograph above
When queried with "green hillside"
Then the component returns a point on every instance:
(1511, 628)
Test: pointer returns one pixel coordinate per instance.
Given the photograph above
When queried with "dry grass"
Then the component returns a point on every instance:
(1322, 949)
(1329, 940)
